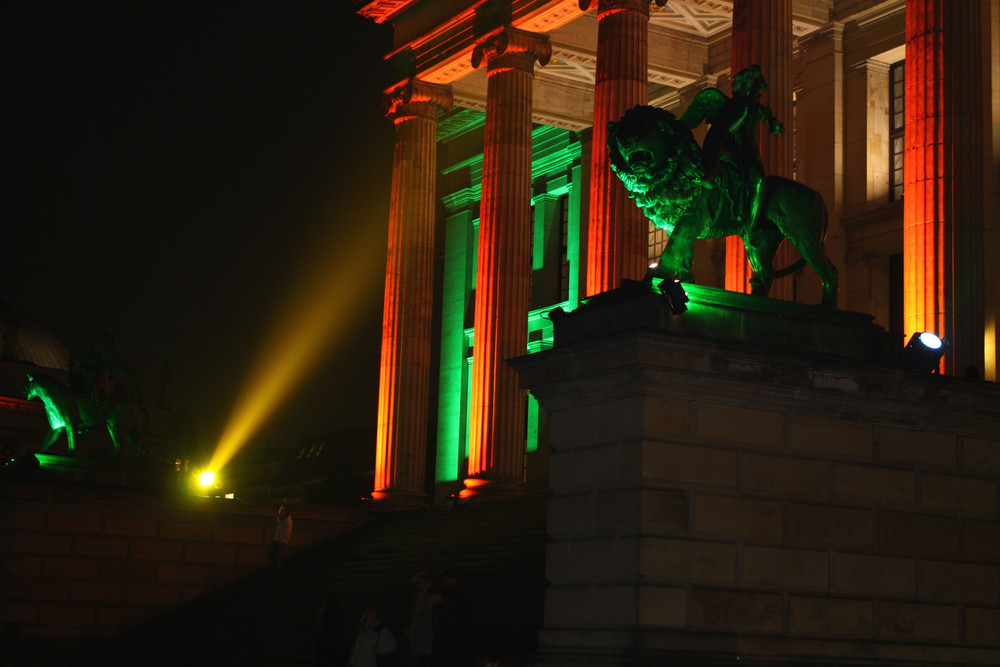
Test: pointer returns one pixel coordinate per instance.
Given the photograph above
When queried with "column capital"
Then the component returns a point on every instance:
(413, 97)
(605, 7)
(510, 48)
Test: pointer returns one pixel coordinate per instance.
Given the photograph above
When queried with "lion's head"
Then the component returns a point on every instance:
(658, 161)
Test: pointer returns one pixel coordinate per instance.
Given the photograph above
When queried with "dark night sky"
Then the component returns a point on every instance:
(167, 168)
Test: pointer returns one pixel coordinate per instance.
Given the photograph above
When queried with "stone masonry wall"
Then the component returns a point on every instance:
(721, 500)
(80, 562)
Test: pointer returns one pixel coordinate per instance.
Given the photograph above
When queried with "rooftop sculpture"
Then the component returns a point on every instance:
(720, 189)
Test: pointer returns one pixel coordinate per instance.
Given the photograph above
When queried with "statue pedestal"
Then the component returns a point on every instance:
(757, 480)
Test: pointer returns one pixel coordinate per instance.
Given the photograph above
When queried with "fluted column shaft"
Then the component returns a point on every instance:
(404, 386)
(762, 35)
(618, 233)
(943, 179)
(496, 424)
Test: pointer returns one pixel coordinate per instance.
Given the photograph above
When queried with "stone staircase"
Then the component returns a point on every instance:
(496, 548)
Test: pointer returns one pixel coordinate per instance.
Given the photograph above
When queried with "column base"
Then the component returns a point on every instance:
(491, 489)
(391, 499)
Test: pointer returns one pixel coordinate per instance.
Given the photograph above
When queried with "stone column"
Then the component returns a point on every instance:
(618, 231)
(762, 35)
(401, 447)
(943, 263)
(496, 424)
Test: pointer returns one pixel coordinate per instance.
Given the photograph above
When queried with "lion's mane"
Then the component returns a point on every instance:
(665, 194)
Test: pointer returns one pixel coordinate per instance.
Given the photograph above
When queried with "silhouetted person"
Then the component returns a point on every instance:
(329, 647)
(374, 642)
(449, 615)
(282, 533)
(421, 630)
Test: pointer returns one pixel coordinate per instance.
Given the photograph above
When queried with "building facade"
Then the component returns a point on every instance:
(504, 206)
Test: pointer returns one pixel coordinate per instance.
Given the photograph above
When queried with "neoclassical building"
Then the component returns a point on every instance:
(503, 205)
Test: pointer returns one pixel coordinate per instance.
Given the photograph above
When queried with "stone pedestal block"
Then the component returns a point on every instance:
(732, 484)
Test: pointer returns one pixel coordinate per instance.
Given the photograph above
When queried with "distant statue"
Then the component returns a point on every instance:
(666, 172)
(71, 413)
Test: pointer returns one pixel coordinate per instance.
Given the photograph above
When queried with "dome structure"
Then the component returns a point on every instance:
(24, 340)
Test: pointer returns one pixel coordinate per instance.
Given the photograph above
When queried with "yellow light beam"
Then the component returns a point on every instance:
(320, 312)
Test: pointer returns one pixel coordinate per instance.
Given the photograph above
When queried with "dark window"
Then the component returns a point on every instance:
(563, 247)
(896, 120)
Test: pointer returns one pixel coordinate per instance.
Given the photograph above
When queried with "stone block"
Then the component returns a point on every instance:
(606, 466)
(73, 615)
(73, 523)
(571, 515)
(241, 534)
(981, 539)
(922, 448)
(736, 611)
(981, 625)
(728, 425)
(831, 617)
(661, 606)
(786, 476)
(247, 554)
(74, 567)
(962, 494)
(687, 464)
(829, 525)
(665, 511)
(171, 530)
(155, 594)
(980, 455)
(870, 484)
(156, 549)
(868, 574)
(105, 547)
(686, 561)
(592, 606)
(25, 566)
(789, 568)
(829, 437)
(98, 591)
(961, 581)
(617, 512)
(666, 418)
(39, 588)
(122, 616)
(584, 425)
(182, 573)
(920, 533)
(128, 570)
(35, 543)
(196, 552)
(131, 527)
(21, 612)
(610, 560)
(29, 521)
(737, 516)
(924, 622)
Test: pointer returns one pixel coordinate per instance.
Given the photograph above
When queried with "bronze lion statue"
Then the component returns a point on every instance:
(660, 163)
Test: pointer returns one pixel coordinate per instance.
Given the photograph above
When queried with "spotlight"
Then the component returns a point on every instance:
(924, 352)
(675, 294)
(206, 478)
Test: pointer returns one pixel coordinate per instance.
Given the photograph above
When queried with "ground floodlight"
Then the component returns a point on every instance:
(676, 295)
(924, 351)
(207, 478)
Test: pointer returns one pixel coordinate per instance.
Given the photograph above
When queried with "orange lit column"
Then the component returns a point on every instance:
(762, 35)
(943, 179)
(496, 422)
(618, 233)
(401, 448)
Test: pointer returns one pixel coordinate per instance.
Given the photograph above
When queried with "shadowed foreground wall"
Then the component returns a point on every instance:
(722, 500)
(86, 562)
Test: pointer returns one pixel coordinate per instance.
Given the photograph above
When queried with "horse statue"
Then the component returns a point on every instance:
(71, 413)
(661, 165)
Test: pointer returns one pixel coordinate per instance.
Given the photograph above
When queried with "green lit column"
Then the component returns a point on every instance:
(496, 421)
(404, 387)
